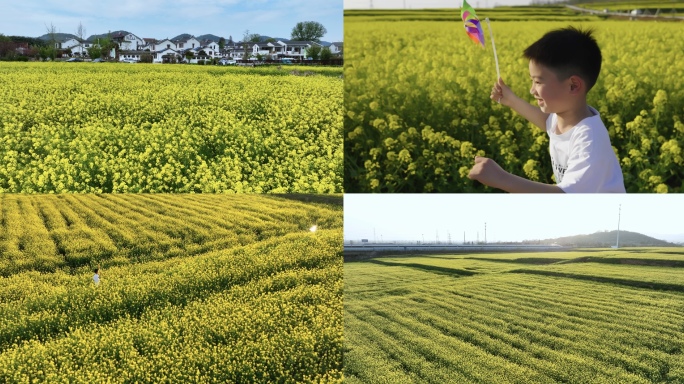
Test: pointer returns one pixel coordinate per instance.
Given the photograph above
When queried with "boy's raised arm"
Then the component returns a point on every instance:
(488, 172)
(502, 94)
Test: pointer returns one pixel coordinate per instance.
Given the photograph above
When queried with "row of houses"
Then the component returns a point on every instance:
(178, 49)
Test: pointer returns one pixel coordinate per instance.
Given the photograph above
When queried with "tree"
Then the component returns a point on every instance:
(246, 39)
(52, 33)
(106, 45)
(80, 31)
(314, 51)
(95, 52)
(308, 31)
(326, 54)
(189, 55)
(146, 57)
(46, 52)
(222, 43)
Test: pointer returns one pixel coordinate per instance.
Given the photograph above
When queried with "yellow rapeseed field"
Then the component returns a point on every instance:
(193, 288)
(418, 109)
(83, 127)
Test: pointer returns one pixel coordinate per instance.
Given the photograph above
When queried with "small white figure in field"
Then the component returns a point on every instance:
(96, 276)
(314, 228)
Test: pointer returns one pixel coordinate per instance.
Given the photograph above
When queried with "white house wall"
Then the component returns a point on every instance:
(165, 44)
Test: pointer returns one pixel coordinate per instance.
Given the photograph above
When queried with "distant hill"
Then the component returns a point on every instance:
(58, 37)
(182, 36)
(607, 239)
(211, 37)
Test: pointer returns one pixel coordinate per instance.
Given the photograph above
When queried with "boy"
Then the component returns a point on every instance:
(96, 276)
(564, 65)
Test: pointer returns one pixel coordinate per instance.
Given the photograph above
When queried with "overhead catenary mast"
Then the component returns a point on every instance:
(617, 243)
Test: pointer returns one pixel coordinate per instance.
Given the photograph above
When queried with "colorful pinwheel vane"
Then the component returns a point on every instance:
(472, 24)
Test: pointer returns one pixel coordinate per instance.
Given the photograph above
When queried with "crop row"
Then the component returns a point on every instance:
(507, 328)
(266, 312)
(48, 232)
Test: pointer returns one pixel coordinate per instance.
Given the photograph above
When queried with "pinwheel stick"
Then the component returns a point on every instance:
(496, 59)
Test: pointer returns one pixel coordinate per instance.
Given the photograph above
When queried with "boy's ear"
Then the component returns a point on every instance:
(576, 84)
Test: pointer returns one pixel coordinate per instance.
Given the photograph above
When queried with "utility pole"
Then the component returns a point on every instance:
(617, 243)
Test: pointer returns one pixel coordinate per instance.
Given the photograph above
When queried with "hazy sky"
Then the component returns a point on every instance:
(508, 217)
(169, 18)
(419, 4)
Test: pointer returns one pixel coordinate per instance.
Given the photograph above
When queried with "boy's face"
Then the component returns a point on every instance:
(551, 93)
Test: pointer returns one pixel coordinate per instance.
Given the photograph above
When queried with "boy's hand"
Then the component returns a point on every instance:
(501, 93)
(487, 172)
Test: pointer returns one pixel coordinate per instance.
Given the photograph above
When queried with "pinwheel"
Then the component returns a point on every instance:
(474, 30)
(472, 24)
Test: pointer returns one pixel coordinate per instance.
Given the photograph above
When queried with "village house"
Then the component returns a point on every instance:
(336, 48)
(127, 41)
(187, 48)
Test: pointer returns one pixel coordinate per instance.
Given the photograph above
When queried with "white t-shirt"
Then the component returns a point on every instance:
(582, 157)
(96, 279)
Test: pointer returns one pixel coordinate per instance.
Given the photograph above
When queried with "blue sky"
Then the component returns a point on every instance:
(168, 18)
(508, 217)
(419, 4)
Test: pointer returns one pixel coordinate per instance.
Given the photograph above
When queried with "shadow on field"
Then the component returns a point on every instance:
(650, 250)
(524, 260)
(628, 261)
(427, 268)
(311, 198)
(610, 280)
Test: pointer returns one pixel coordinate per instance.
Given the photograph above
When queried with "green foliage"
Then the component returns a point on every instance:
(241, 291)
(326, 54)
(313, 52)
(417, 115)
(94, 51)
(308, 31)
(146, 57)
(164, 129)
(514, 317)
(47, 52)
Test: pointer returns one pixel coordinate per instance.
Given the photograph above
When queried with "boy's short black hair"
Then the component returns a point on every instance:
(567, 52)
